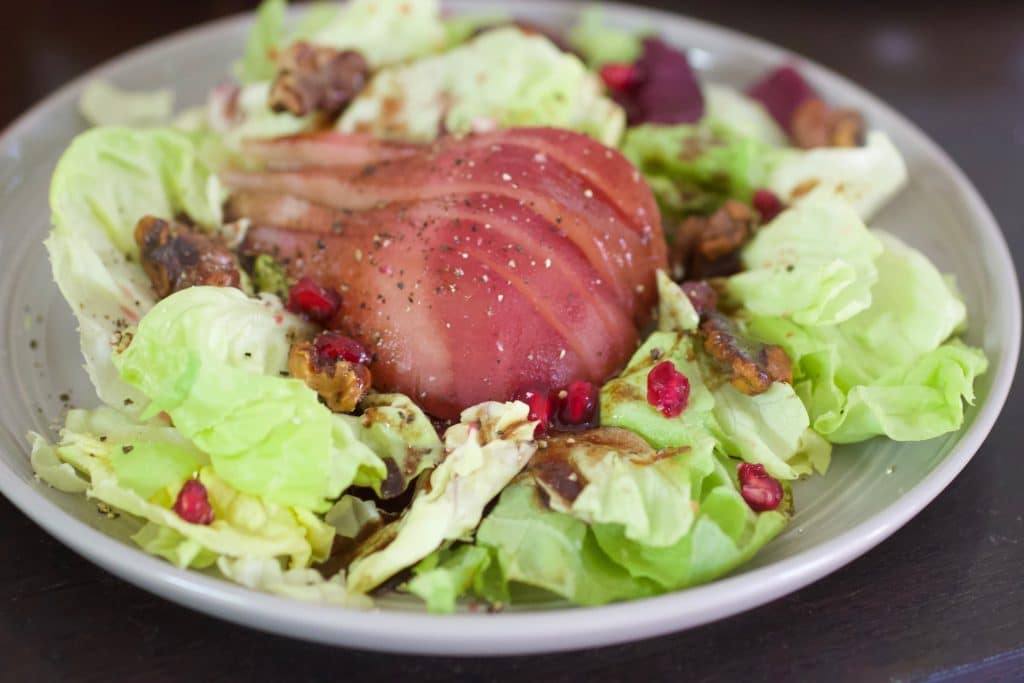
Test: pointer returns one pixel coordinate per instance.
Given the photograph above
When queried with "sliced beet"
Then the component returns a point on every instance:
(781, 91)
(664, 88)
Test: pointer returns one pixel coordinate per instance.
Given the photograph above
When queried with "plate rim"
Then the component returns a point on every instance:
(469, 634)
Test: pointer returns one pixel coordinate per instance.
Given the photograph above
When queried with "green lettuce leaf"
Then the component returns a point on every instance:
(694, 168)
(725, 534)
(600, 44)
(814, 264)
(745, 116)
(401, 435)
(100, 443)
(888, 370)
(385, 32)
(538, 86)
(536, 546)
(103, 104)
(104, 183)
(771, 429)
(210, 358)
(253, 119)
(445, 575)
(270, 33)
(267, 34)
(462, 28)
(866, 176)
(484, 452)
(297, 583)
(624, 399)
(675, 310)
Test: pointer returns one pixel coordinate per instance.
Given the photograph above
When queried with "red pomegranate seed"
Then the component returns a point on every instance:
(541, 406)
(193, 505)
(579, 406)
(668, 390)
(330, 346)
(308, 298)
(761, 491)
(619, 77)
(767, 204)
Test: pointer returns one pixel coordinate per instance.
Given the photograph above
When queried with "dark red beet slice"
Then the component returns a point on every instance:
(661, 89)
(781, 91)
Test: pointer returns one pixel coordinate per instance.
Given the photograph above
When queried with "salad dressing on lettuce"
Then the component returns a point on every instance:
(816, 328)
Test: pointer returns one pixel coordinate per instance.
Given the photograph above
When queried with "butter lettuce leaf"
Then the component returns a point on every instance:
(104, 104)
(624, 399)
(539, 547)
(891, 369)
(742, 114)
(210, 358)
(724, 534)
(99, 444)
(866, 176)
(483, 453)
(401, 434)
(385, 31)
(104, 183)
(267, 34)
(500, 78)
(813, 264)
(445, 575)
(771, 429)
(695, 168)
(600, 44)
(297, 583)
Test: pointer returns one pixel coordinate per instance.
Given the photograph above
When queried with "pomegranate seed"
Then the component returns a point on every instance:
(767, 204)
(193, 505)
(308, 298)
(579, 406)
(668, 390)
(619, 77)
(541, 406)
(761, 491)
(330, 346)
(702, 296)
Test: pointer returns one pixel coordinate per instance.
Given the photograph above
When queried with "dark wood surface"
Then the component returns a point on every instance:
(942, 599)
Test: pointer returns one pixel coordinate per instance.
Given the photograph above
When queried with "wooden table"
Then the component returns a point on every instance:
(941, 599)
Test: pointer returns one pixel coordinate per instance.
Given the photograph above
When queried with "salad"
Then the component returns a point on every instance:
(465, 308)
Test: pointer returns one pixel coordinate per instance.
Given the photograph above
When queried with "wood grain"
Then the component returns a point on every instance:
(941, 599)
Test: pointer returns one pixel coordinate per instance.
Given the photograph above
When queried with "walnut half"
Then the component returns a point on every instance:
(317, 79)
(176, 256)
(752, 366)
(708, 246)
(815, 124)
(339, 383)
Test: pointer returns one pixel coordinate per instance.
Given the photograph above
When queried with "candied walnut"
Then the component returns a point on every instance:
(317, 79)
(815, 124)
(708, 246)
(176, 256)
(752, 366)
(340, 383)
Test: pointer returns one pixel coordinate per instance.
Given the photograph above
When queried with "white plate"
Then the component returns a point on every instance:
(872, 490)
